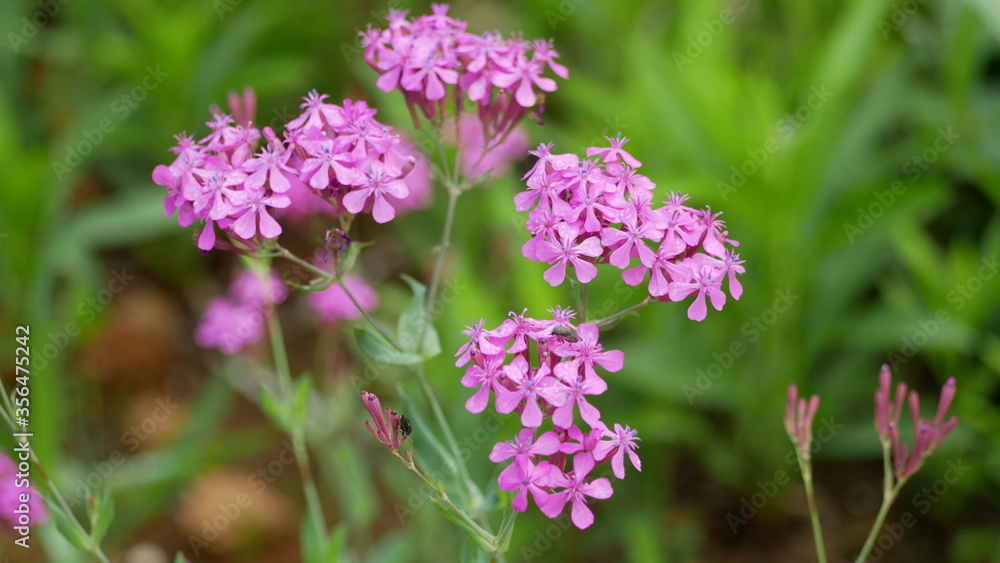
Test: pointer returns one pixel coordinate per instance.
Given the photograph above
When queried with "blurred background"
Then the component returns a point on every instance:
(854, 148)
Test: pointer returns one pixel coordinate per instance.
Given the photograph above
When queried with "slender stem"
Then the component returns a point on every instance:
(443, 246)
(584, 294)
(474, 495)
(287, 254)
(611, 318)
(887, 499)
(806, 466)
(297, 432)
(484, 534)
(371, 320)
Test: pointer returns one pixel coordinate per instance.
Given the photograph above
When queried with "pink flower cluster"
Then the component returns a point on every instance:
(928, 434)
(236, 177)
(547, 369)
(590, 211)
(11, 489)
(236, 320)
(426, 56)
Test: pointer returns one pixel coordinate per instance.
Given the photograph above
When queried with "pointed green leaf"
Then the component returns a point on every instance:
(275, 409)
(376, 348)
(313, 546)
(179, 558)
(414, 330)
(69, 528)
(101, 511)
(300, 410)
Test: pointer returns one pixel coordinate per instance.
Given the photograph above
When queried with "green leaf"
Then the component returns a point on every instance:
(450, 514)
(179, 558)
(275, 409)
(336, 543)
(101, 511)
(314, 547)
(414, 330)
(69, 528)
(300, 410)
(376, 348)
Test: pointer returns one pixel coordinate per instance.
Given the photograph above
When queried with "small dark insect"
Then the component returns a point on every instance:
(405, 428)
(566, 333)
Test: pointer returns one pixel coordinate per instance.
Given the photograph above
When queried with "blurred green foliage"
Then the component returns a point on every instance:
(854, 148)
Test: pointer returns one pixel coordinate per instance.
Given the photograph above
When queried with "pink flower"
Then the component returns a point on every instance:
(583, 355)
(576, 490)
(376, 184)
(532, 384)
(705, 279)
(527, 478)
(332, 304)
(485, 374)
(229, 326)
(523, 447)
(387, 428)
(623, 440)
(564, 250)
(250, 209)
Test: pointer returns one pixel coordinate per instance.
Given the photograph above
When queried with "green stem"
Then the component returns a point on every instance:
(485, 536)
(475, 497)
(888, 498)
(611, 318)
(442, 249)
(806, 466)
(371, 320)
(297, 432)
(95, 550)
